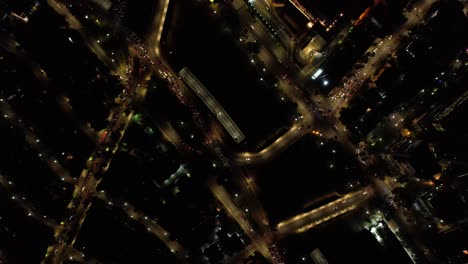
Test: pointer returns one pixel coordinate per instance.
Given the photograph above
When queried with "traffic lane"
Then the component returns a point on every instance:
(250, 24)
(212, 104)
(85, 187)
(264, 8)
(326, 218)
(386, 46)
(297, 130)
(158, 25)
(266, 39)
(291, 136)
(80, 211)
(222, 196)
(324, 213)
(91, 42)
(249, 190)
(154, 228)
(348, 198)
(316, 210)
(278, 69)
(284, 83)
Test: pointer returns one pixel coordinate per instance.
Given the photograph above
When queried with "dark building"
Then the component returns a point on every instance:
(231, 242)
(214, 253)
(421, 157)
(4, 11)
(445, 205)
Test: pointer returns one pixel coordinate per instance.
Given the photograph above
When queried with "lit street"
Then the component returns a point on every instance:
(384, 48)
(243, 131)
(303, 222)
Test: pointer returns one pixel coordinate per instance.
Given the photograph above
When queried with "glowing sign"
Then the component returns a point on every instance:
(317, 74)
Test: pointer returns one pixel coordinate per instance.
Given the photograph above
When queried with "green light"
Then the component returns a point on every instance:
(137, 118)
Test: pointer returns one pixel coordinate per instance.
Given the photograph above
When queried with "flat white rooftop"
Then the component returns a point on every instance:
(212, 104)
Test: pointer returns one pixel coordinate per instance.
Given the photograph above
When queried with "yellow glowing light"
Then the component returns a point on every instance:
(406, 132)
